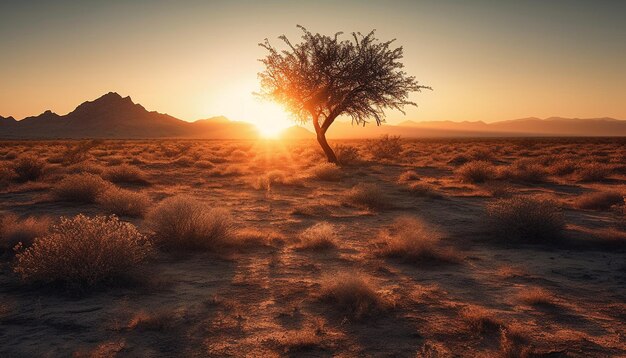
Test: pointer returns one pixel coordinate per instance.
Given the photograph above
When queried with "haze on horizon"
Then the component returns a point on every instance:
(192, 59)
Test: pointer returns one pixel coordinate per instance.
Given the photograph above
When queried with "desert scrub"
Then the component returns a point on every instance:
(124, 202)
(478, 171)
(81, 188)
(592, 172)
(83, 253)
(14, 230)
(326, 172)
(599, 200)
(321, 236)
(369, 196)
(127, 174)
(412, 241)
(525, 219)
(525, 171)
(184, 223)
(385, 147)
(354, 295)
(29, 168)
(347, 154)
(422, 190)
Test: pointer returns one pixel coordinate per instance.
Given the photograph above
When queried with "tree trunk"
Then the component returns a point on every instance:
(321, 139)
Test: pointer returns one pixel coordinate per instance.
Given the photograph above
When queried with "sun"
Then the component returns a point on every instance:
(270, 119)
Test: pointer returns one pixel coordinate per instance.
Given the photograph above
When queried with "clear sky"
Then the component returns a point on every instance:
(486, 60)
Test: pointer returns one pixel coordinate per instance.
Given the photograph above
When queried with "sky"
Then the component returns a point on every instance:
(486, 60)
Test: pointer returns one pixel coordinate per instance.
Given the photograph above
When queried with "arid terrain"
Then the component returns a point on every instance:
(411, 248)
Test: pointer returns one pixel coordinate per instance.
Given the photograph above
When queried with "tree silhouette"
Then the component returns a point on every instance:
(322, 78)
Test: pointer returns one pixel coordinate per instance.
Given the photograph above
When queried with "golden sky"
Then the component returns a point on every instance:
(486, 60)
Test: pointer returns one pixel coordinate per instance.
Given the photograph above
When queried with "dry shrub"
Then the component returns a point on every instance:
(159, 320)
(513, 344)
(525, 219)
(479, 320)
(369, 196)
(407, 176)
(477, 171)
(303, 340)
(29, 168)
(412, 241)
(14, 230)
(7, 175)
(312, 210)
(536, 296)
(321, 236)
(250, 237)
(592, 172)
(124, 202)
(563, 167)
(525, 171)
(227, 171)
(422, 189)
(184, 223)
(599, 200)
(353, 294)
(84, 252)
(82, 188)
(126, 174)
(275, 177)
(85, 167)
(326, 172)
(385, 147)
(238, 155)
(347, 154)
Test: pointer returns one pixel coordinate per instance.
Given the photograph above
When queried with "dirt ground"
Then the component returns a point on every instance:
(266, 300)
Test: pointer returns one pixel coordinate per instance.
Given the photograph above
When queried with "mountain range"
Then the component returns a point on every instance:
(114, 116)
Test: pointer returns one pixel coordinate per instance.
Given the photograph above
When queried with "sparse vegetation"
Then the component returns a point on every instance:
(599, 200)
(369, 196)
(14, 230)
(385, 147)
(321, 236)
(125, 173)
(29, 168)
(354, 295)
(81, 188)
(326, 172)
(123, 202)
(84, 253)
(478, 171)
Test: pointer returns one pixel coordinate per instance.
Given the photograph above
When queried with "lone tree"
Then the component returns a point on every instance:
(322, 78)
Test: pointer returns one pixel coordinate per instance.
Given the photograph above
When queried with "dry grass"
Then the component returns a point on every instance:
(14, 230)
(184, 223)
(127, 174)
(536, 296)
(321, 236)
(408, 176)
(84, 252)
(353, 294)
(423, 190)
(347, 154)
(326, 172)
(412, 241)
(124, 202)
(593, 172)
(475, 172)
(369, 196)
(599, 200)
(525, 171)
(479, 320)
(525, 219)
(82, 188)
(385, 147)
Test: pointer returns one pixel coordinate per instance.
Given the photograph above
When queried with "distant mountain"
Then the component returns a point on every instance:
(114, 116)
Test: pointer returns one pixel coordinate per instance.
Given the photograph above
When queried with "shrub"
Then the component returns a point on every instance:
(326, 172)
(599, 200)
(84, 252)
(414, 242)
(477, 171)
(29, 168)
(321, 236)
(525, 171)
(479, 320)
(385, 147)
(14, 230)
(82, 188)
(368, 195)
(526, 219)
(407, 176)
(353, 294)
(563, 167)
(124, 202)
(126, 174)
(593, 172)
(422, 189)
(183, 223)
(536, 296)
(347, 154)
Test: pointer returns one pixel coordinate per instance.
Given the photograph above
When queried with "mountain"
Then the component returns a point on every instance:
(114, 116)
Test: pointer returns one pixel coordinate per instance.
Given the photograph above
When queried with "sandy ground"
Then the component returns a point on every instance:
(264, 301)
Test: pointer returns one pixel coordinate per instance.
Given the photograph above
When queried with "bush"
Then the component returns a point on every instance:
(526, 219)
(407, 176)
(124, 202)
(478, 171)
(126, 174)
(368, 195)
(183, 223)
(347, 154)
(599, 200)
(14, 230)
(29, 168)
(412, 241)
(526, 171)
(326, 172)
(82, 188)
(353, 294)
(385, 147)
(84, 252)
(321, 236)
(593, 172)
(423, 190)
